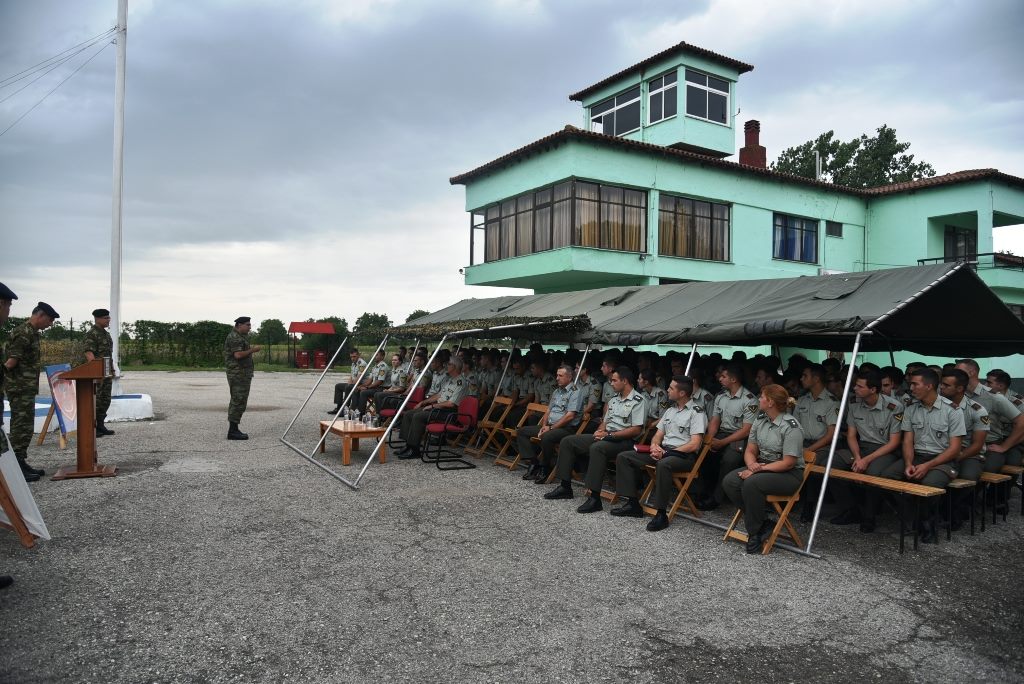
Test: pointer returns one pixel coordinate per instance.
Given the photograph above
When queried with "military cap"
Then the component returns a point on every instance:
(242, 319)
(46, 309)
(100, 313)
(7, 293)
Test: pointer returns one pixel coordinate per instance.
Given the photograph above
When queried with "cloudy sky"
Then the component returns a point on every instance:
(291, 159)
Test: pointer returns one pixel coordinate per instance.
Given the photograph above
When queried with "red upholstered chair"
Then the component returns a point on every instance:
(390, 408)
(444, 426)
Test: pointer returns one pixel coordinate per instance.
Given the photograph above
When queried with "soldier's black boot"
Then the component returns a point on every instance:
(102, 429)
(629, 508)
(31, 474)
(658, 522)
(235, 433)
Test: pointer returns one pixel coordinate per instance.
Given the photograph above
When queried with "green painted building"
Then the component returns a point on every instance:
(644, 193)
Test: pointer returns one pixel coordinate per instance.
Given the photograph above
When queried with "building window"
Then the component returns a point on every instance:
(960, 244)
(795, 239)
(707, 97)
(617, 115)
(661, 98)
(834, 229)
(572, 213)
(693, 229)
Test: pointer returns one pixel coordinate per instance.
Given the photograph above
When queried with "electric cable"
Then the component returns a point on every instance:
(4, 82)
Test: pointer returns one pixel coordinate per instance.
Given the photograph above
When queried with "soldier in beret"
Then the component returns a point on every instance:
(7, 297)
(99, 345)
(21, 382)
(239, 364)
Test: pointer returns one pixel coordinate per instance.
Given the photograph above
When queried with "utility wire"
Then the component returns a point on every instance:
(41, 100)
(27, 72)
(44, 72)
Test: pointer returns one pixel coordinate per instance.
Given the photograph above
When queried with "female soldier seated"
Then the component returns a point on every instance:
(773, 463)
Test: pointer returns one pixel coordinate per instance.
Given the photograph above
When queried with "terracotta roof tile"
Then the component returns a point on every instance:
(570, 133)
(683, 47)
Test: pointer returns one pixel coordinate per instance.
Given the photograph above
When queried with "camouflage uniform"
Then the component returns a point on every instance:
(21, 384)
(99, 342)
(239, 372)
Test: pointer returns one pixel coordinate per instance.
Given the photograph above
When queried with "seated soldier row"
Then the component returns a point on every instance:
(874, 437)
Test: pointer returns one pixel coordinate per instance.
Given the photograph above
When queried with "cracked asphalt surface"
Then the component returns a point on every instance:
(206, 560)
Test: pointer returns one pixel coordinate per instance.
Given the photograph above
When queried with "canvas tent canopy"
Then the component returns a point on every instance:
(936, 310)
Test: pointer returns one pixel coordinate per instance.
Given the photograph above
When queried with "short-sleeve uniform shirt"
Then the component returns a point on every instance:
(777, 438)
(624, 413)
(679, 425)
(565, 400)
(933, 426)
(876, 424)
(816, 414)
(735, 409)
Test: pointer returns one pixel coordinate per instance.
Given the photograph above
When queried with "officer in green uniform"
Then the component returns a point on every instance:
(970, 463)
(446, 400)
(734, 411)
(21, 381)
(655, 399)
(373, 382)
(394, 385)
(591, 390)
(873, 438)
(773, 463)
(624, 418)
(239, 364)
(7, 298)
(674, 448)
(342, 389)
(817, 411)
(1003, 445)
(933, 433)
(99, 345)
(564, 412)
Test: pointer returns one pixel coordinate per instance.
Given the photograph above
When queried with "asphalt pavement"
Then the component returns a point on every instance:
(207, 560)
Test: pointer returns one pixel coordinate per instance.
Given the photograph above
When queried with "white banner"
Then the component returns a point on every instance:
(22, 495)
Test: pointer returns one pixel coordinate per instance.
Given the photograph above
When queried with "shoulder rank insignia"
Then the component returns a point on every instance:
(750, 396)
(985, 419)
(899, 417)
(751, 408)
(792, 422)
(975, 406)
(698, 408)
(891, 407)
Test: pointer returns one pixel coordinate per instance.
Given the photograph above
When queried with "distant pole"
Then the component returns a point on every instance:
(121, 38)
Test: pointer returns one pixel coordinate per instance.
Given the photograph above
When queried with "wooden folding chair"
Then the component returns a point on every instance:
(682, 481)
(579, 431)
(783, 506)
(532, 411)
(488, 427)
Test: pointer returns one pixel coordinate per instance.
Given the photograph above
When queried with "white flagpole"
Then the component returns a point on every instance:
(115, 235)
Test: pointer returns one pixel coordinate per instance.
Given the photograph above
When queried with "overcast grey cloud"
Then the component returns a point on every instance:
(291, 160)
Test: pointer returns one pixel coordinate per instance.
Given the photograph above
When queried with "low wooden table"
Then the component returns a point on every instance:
(351, 432)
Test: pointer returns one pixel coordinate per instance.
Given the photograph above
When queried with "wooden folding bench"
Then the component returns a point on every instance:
(682, 481)
(1015, 473)
(532, 410)
(914, 489)
(488, 426)
(783, 505)
(986, 480)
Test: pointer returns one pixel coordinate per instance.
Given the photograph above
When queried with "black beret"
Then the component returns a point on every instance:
(100, 313)
(7, 293)
(242, 319)
(46, 309)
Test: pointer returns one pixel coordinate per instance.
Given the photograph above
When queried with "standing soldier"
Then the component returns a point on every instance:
(21, 382)
(238, 360)
(7, 297)
(99, 345)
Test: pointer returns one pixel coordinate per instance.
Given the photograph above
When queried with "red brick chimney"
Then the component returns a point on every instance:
(753, 153)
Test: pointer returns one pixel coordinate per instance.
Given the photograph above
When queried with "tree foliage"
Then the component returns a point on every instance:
(327, 343)
(863, 162)
(371, 327)
(272, 331)
(418, 313)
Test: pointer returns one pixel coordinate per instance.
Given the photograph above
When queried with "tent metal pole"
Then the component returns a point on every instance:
(835, 440)
(355, 386)
(719, 526)
(497, 388)
(582, 361)
(689, 362)
(318, 381)
(394, 421)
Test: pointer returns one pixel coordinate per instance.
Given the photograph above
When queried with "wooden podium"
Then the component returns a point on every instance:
(85, 377)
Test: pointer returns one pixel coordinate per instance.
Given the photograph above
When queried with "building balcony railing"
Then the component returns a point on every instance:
(983, 260)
